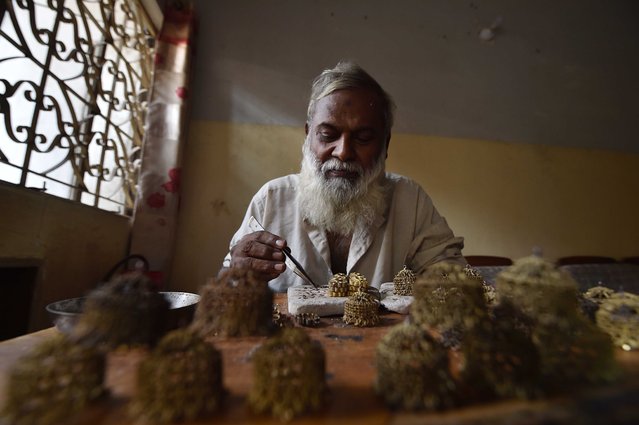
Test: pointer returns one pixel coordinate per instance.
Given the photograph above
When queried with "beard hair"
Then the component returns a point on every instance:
(337, 204)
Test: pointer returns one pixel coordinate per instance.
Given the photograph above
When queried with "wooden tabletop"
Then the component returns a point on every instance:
(350, 354)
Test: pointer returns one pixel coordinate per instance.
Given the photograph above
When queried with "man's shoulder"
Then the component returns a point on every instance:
(280, 184)
(406, 190)
(401, 182)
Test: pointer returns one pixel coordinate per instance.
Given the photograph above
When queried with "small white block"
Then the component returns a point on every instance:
(307, 299)
(397, 303)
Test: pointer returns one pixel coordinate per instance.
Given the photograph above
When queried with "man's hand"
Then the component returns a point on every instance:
(260, 252)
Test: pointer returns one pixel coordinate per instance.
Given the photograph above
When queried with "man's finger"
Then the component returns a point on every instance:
(265, 267)
(257, 249)
(270, 239)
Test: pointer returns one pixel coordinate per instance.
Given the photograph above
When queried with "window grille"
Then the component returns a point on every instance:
(74, 75)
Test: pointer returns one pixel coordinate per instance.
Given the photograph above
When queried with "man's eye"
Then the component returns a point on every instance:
(324, 135)
(365, 138)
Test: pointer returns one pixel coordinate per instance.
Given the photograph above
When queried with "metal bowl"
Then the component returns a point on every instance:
(65, 313)
(181, 308)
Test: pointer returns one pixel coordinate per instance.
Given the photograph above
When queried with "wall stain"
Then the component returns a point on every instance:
(219, 207)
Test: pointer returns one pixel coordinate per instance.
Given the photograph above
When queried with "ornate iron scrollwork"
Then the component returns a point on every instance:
(73, 81)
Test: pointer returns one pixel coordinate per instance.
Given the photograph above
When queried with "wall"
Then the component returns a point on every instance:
(561, 73)
(526, 140)
(74, 245)
(506, 198)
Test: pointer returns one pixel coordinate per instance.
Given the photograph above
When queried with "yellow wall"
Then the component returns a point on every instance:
(74, 245)
(507, 198)
(503, 198)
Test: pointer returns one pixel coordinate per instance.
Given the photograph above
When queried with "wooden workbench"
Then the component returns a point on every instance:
(350, 354)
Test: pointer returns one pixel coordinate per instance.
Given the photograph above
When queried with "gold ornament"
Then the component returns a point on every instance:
(338, 285)
(356, 282)
(413, 370)
(180, 381)
(235, 304)
(307, 319)
(598, 294)
(403, 282)
(281, 320)
(573, 351)
(288, 375)
(126, 311)
(489, 290)
(498, 359)
(537, 287)
(618, 315)
(447, 301)
(55, 381)
(361, 309)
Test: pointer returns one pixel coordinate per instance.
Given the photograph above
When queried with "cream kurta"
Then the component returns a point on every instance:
(412, 233)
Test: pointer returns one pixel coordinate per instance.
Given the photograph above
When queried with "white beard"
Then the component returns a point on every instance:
(337, 204)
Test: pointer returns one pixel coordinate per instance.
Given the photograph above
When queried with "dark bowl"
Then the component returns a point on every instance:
(65, 313)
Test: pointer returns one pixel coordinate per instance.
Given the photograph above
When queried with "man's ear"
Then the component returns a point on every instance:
(306, 128)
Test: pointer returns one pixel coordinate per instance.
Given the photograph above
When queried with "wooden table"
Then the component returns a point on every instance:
(350, 354)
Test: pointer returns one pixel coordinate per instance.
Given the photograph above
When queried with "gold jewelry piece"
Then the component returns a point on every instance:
(413, 370)
(181, 380)
(288, 375)
(446, 299)
(307, 319)
(618, 315)
(489, 290)
(126, 311)
(403, 282)
(53, 382)
(537, 288)
(338, 285)
(281, 320)
(598, 294)
(361, 309)
(235, 304)
(356, 282)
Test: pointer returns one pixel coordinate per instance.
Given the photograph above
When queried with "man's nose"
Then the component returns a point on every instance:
(343, 149)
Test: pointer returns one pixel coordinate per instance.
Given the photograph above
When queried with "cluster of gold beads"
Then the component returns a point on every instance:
(341, 285)
(307, 319)
(356, 283)
(338, 285)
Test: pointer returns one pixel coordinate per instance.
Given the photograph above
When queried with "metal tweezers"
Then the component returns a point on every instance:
(291, 262)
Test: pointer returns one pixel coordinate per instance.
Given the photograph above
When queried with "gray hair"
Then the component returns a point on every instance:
(349, 75)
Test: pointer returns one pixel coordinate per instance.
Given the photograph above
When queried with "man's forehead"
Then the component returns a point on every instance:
(363, 103)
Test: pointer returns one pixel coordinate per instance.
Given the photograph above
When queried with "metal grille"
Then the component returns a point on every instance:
(74, 77)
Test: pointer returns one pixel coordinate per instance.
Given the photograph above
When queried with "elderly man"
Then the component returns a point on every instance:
(343, 212)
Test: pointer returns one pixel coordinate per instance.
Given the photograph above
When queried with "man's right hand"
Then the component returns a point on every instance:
(260, 252)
